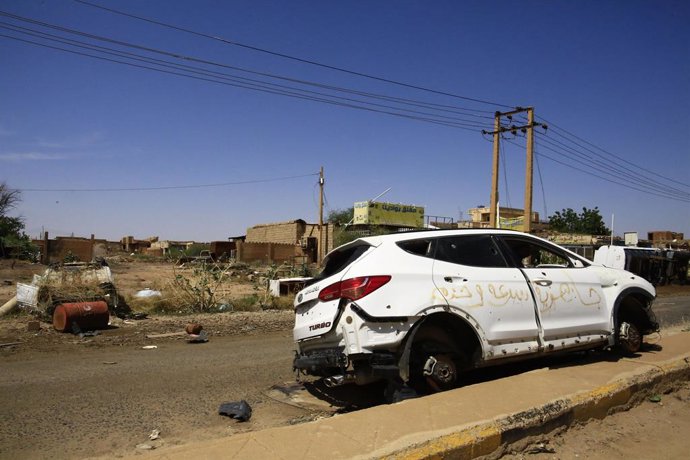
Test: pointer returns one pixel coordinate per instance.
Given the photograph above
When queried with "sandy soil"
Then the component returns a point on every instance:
(656, 430)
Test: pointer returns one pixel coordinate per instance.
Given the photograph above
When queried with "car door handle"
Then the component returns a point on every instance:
(543, 282)
(449, 279)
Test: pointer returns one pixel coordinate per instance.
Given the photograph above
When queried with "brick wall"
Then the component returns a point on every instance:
(60, 248)
(218, 248)
(285, 233)
(268, 252)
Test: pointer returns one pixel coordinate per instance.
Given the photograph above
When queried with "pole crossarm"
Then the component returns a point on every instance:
(527, 129)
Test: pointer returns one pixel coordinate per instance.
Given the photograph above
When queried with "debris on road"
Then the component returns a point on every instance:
(9, 306)
(240, 411)
(155, 434)
(193, 328)
(149, 347)
(70, 283)
(10, 344)
(167, 334)
(81, 316)
(201, 337)
(541, 448)
(145, 446)
(655, 398)
(147, 293)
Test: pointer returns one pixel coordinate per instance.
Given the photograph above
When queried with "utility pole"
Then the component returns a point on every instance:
(528, 129)
(320, 251)
(529, 170)
(494, 171)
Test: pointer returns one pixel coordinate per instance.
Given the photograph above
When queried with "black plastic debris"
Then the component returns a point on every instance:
(240, 411)
(76, 330)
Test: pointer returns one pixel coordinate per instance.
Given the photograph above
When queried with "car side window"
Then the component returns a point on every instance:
(472, 250)
(423, 247)
(529, 254)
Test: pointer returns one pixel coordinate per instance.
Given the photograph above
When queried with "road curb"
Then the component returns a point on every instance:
(487, 437)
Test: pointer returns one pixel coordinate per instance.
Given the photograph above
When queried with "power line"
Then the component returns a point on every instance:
(252, 83)
(590, 173)
(464, 126)
(449, 108)
(171, 187)
(502, 155)
(541, 180)
(613, 155)
(559, 148)
(293, 58)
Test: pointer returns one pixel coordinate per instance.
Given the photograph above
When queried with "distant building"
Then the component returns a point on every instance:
(662, 237)
(388, 214)
(509, 218)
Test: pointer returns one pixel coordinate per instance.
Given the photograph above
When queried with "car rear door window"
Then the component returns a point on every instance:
(530, 254)
(472, 250)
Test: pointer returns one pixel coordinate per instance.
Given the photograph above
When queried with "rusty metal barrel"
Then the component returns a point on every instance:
(88, 316)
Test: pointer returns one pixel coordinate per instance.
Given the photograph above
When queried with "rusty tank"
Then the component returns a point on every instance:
(88, 316)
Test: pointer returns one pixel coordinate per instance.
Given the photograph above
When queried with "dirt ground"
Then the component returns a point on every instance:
(657, 428)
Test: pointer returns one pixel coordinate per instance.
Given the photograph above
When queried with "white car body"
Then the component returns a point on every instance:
(445, 300)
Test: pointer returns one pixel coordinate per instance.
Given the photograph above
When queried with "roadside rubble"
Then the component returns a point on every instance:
(76, 297)
(239, 410)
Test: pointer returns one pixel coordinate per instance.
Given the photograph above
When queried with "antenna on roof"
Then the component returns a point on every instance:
(380, 194)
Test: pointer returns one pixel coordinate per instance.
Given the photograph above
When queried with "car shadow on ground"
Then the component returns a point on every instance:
(351, 397)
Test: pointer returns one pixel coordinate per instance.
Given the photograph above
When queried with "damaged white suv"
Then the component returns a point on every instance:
(418, 308)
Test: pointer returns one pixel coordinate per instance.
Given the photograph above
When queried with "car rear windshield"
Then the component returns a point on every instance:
(340, 260)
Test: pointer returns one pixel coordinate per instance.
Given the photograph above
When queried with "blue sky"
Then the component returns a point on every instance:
(614, 73)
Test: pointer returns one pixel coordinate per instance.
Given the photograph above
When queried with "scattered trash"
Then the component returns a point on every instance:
(161, 336)
(9, 306)
(109, 362)
(76, 330)
(145, 446)
(146, 293)
(87, 316)
(154, 435)
(655, 398)
(33, 326)
(193, 328)
(541, 448)
(201, 337)
(149, 347)
(240, 411)
(10, 344)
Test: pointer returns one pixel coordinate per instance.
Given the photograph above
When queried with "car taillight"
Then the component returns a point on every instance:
(353, 288)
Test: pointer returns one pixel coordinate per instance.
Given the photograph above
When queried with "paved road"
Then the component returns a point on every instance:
(80, 402)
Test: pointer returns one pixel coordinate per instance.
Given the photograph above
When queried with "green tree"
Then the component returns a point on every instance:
(13, 241)
(588, 222)
(341, 216)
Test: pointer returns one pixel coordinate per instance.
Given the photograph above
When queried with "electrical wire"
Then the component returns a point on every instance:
(440, 107)
(606, 152)
(560, 148)
(171, 187)
(286, 56)
(618, 169)
(252, 84)
(502, 156)
(464, 126)
(590, 173)
(541, 180)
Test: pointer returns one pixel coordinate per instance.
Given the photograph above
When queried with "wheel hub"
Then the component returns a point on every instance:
(440, 372)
